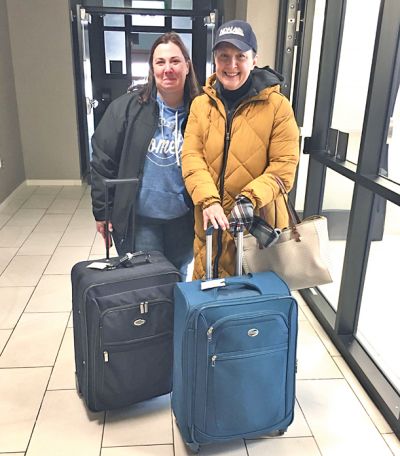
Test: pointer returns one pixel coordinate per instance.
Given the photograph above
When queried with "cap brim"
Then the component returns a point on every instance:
(239, 44)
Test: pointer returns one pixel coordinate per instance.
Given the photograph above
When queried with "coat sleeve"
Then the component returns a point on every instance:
(107, 143)
(198, 180)
(282, 154)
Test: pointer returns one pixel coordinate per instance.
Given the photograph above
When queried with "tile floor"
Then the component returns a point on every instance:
(43, 232)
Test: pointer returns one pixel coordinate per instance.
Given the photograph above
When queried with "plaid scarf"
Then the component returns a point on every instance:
(241, 214)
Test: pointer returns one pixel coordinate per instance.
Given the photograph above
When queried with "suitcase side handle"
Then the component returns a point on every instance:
(239, 251)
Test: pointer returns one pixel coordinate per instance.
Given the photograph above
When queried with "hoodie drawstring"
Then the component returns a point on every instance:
(176, 133)
(162, 120)
(176, 140)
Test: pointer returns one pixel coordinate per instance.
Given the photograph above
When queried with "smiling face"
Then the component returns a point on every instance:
(233, 66)
(170, 69)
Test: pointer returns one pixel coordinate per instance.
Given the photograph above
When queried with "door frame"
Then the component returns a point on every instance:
(201, 10)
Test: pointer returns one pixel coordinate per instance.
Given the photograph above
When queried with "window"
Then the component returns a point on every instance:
(336, 207)
(354, 72)
(114, 20)
(151, 21)
(114, 47)
(380, 312)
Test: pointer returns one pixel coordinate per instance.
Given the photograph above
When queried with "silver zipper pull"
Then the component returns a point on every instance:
(213, 359)
(105, 354)
(209, 333)
(144, 307)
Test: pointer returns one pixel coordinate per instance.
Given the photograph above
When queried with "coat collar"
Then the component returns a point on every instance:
(265, 81)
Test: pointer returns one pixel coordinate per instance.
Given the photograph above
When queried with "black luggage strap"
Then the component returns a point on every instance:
(108, 183)
(130, 259)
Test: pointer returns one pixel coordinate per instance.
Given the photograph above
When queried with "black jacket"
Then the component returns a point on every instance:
(120, 144)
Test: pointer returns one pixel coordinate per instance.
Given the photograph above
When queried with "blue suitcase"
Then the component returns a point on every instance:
(234, 356)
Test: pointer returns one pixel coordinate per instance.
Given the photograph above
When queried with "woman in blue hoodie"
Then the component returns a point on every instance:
(140, 135)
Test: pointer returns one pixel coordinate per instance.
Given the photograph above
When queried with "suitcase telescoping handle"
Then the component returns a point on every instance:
(107, 184)
(239, 251)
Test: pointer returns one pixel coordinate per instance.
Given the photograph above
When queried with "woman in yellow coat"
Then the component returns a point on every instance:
(240, 134)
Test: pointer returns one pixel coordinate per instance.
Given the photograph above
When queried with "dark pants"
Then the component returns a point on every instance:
(173, 238)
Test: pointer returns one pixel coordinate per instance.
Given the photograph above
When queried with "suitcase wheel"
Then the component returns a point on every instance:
(276, 433)
(193, 447)
(78, 388)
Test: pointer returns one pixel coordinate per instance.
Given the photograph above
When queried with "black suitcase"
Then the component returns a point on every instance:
(123, 326)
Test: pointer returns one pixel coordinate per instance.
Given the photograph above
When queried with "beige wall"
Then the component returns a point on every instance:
(42, 57)
(263, 16)
(241, 9)
(234, 9)
(12, 174)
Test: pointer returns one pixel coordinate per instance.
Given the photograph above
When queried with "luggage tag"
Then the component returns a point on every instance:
(99, 265)
(215, 283)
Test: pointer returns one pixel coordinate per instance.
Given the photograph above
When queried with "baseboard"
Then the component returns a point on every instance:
(38, 182)
(12, 195)
(60, 182)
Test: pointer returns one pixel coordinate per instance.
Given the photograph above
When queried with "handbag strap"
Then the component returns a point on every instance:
(293, 215)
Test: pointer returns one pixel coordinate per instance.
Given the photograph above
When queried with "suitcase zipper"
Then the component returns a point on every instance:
(107, 353)
(245, 316)
(229, 356)
(239, 301)
(143, 307)
(122, 280)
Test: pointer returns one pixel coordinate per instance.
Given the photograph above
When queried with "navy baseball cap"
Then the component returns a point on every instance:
(239, 33)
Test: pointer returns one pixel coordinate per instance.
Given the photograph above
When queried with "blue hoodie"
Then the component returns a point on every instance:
(162, 188)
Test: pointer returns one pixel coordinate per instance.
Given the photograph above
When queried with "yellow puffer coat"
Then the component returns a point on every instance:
(264, 141)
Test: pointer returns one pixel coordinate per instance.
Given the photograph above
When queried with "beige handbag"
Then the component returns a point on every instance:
(301, 254)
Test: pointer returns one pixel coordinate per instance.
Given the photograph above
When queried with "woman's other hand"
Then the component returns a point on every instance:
(216, 216)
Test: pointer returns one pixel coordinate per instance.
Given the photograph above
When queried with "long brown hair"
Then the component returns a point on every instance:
(191, 87)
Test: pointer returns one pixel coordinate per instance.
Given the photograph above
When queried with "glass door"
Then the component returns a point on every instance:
(352, 178)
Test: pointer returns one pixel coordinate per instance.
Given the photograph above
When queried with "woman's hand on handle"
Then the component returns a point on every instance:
(101, 228)
(216, 216)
